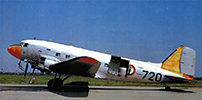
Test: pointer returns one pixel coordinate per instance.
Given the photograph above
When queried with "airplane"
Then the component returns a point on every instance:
(47, 56)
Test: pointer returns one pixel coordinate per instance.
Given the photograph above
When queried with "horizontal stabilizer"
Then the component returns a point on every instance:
(177, 78)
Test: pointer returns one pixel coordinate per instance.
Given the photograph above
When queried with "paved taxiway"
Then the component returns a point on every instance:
(39, 92)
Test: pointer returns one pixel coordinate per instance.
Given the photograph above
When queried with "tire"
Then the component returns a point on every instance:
(50, 83)
(56, 86)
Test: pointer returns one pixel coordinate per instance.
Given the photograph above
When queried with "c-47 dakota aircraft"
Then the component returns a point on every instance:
(46, 56)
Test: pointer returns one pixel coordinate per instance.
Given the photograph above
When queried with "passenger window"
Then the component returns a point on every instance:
(67, 56)
(48, 49)
(57, 54)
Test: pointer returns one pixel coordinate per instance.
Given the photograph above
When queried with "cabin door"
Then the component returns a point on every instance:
(117, 65)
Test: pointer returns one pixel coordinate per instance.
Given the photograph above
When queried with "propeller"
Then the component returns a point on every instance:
(33, 71)
(31, 81)
(26, 70)
(20, 67)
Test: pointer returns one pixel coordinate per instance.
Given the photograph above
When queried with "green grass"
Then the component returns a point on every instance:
(18, 79)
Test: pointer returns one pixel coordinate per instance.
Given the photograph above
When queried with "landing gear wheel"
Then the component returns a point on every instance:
(55, 84)
(50, 83)
(166, 87)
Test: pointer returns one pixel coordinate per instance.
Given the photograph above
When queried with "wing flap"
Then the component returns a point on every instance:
(84, 66)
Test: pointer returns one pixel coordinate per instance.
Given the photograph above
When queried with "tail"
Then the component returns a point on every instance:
(181, 61)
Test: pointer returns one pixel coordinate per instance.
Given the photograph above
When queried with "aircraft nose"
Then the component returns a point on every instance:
(15, 50)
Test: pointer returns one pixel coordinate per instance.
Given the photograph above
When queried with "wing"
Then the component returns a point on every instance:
(84, 66)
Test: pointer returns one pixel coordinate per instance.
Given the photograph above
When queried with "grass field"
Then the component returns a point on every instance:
(18, 79)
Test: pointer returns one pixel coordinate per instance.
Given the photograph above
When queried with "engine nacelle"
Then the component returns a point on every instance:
(49, 62)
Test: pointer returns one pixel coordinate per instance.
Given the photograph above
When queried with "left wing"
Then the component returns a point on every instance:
(84, 66)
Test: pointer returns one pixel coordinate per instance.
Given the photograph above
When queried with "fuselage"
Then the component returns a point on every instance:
(42, 54)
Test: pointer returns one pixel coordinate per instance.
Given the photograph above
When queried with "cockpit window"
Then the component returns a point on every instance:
(26, 45)
(22, 44)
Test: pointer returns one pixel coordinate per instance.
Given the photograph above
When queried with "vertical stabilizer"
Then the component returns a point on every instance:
(181, 61)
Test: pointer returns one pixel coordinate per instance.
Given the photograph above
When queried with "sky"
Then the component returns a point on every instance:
(140, 30)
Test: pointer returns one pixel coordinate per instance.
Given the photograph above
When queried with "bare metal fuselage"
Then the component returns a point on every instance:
(42, 54)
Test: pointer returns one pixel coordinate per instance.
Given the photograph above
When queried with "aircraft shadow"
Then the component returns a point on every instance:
(74, 89)
(171, 90)
(81, 89)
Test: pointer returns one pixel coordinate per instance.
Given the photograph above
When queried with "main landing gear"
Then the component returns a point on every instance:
(166, 87)
(56, 83)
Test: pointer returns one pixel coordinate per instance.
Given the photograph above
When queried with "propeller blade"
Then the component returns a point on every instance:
(33, 71)
(19, 62)
(31, 81)
(20, 67)
(26, 70)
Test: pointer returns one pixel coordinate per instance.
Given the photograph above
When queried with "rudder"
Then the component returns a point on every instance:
(187, 64)
(181, 61)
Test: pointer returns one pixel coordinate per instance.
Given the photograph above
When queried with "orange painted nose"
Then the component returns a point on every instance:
(15, 50)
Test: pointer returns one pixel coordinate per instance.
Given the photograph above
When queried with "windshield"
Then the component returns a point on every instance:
(24, 44)
(21, 43)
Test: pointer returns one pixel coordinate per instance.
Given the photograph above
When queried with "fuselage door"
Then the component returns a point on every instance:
(117, 66)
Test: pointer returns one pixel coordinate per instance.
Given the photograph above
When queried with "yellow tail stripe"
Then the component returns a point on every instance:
(173, 63)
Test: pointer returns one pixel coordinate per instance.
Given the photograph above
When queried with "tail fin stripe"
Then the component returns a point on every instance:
(173, 62)
(169, 56)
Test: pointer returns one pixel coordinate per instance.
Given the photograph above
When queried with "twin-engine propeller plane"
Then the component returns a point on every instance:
(46, 56)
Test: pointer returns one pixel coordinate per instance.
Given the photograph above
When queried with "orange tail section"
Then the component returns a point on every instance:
(181, 61)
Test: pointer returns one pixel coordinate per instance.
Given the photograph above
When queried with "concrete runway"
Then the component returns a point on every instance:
(78, 91)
